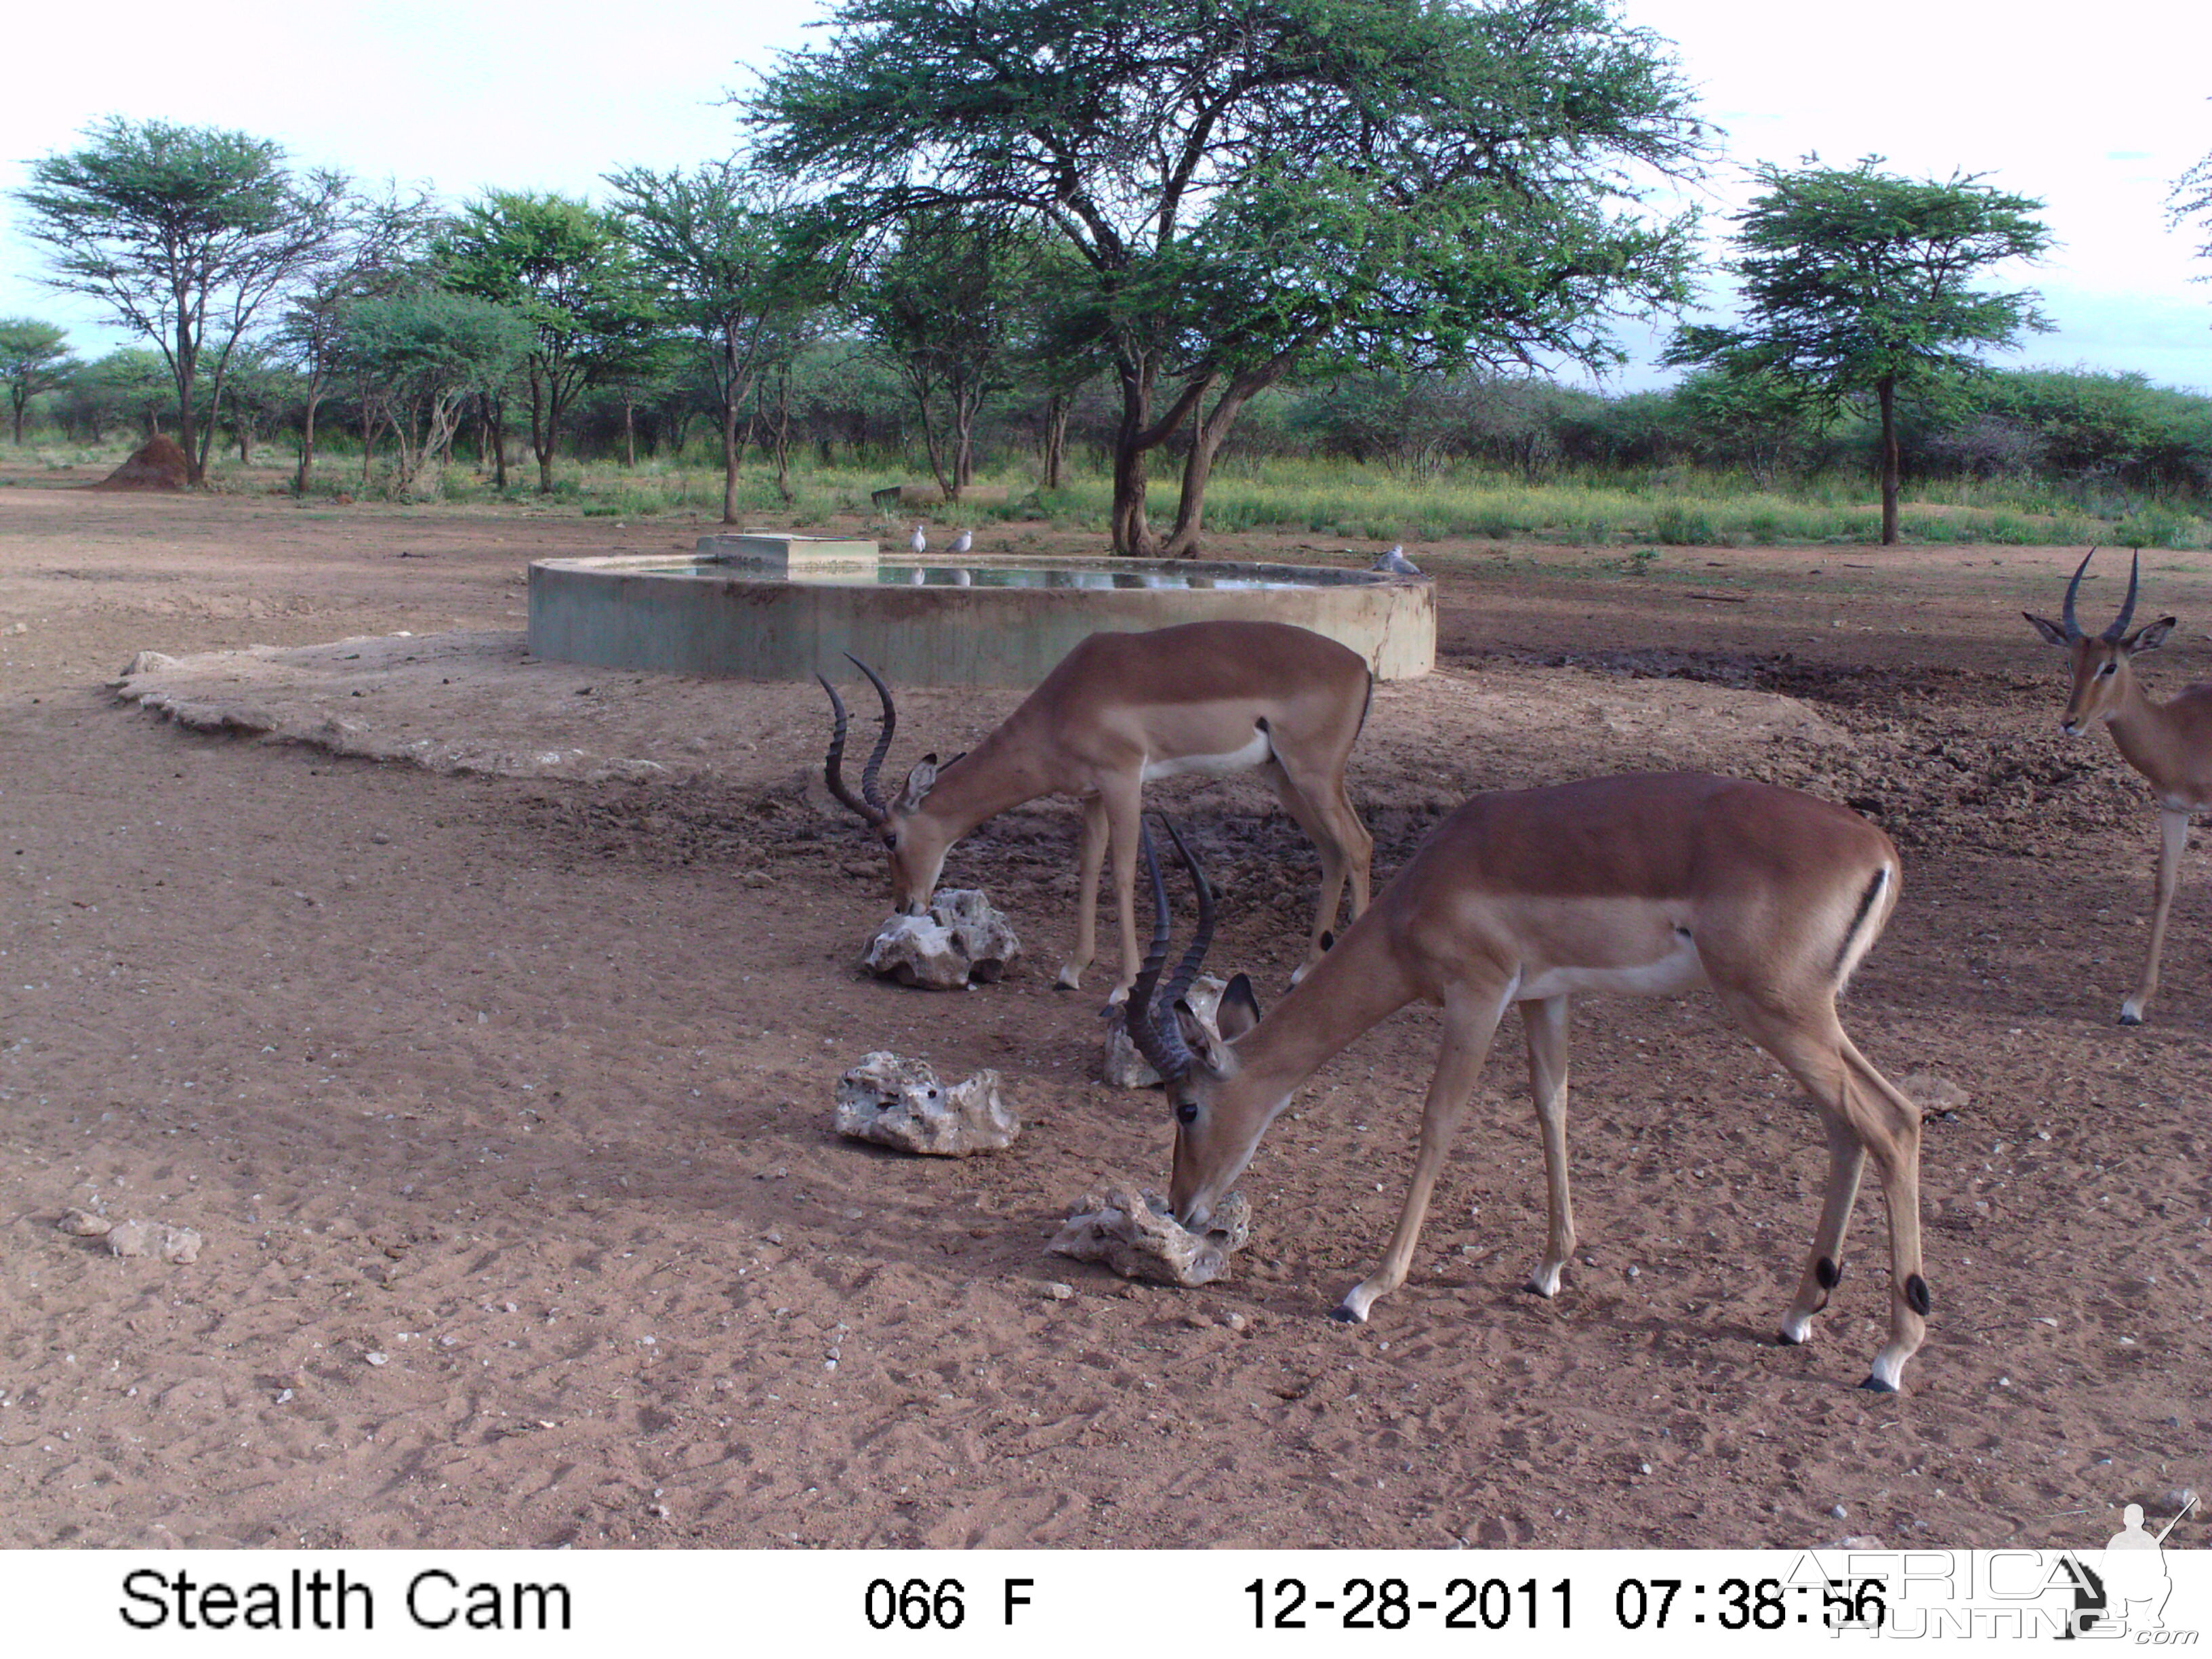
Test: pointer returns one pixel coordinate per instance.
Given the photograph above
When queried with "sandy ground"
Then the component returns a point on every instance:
(482, 1016)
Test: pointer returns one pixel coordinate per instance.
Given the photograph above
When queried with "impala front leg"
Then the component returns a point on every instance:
(1468, 1032)
(1121, 805)
(1089, 859)
(2174, 836)
(1545, 1023)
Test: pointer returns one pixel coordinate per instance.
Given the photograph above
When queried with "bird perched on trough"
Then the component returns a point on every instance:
(1396, 563)
(918, 542)
(963, 541)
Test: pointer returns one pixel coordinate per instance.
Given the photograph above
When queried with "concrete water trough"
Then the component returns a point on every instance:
(768, 606)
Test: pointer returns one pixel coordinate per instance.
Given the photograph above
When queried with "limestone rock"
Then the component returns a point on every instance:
(179, 1245)
(1133, 1233)
(146, 662)
(83, 1223)
(962, 940)
(900, 1102)
(1931, 1093)
(1125, 1068)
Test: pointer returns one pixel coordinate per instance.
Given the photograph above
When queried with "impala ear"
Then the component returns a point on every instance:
(2051, 632)
(1202, 1040)
(2149, 639)
(1240, 1009)
(918, 784)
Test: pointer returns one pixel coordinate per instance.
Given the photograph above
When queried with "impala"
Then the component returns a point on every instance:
(1649, 884)
(1116, 713)
(2169, 743)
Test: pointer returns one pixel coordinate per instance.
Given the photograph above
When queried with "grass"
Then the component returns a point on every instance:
(1331, 499)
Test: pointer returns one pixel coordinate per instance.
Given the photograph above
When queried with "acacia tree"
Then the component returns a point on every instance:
(1858, 284)
(185, 234)
(723, 250)
(944, 306)
(377, 245)
(1254, 184)
(421, 358)
(34, 357)
(564, 266)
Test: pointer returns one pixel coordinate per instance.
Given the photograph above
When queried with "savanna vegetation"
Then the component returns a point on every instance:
(1324, 260)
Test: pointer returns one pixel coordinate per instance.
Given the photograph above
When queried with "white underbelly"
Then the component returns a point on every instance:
(1678, 972)
(1237, 760)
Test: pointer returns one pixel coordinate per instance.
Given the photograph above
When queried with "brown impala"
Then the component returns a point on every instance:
(1649, 884)
(1116, 713)
(2169, 743)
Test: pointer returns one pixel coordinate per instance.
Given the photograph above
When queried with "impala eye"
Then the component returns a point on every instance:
(2105, 671)
(1187, 1111)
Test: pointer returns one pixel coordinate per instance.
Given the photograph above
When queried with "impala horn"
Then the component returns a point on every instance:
(1152, 1024)
(2128, 607)
(2067, 616)
(869, 805)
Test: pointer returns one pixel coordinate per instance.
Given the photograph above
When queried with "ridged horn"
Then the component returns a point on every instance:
(1187, 969)
(868, 773)
(833, 768)
(1164, 1051)
(2072, 623)
(2127, 610)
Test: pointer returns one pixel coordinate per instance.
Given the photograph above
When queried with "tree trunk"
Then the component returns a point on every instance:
(19, 399)
(306, 470)
(730, 451)
(541, 437)
(629, 434)
(1885, 389)
(1056, 412)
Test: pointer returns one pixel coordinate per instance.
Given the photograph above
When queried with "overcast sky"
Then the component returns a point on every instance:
(2094, 112)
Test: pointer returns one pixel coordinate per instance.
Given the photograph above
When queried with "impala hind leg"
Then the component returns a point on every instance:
(1091, 857)
(2174, 836)
(1319, 807)
(1468, 1032)
(1545, 1026)
(1861, 1108)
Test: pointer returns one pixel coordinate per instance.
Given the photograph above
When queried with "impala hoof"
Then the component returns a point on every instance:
(1877, 1385)
(2130, 1016)
(1069, 979)
(1344, 1315)
(1794, 1334)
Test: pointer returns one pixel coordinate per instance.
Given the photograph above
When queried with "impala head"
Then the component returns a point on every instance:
(915, 841)
(1216, 1128)
(2100, 661)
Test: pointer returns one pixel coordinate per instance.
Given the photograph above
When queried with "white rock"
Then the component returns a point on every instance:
(179, 1245)
(1126, 1068)
(82, 1224)
(1133, 1234)
(1931, 1093)
(963, 939)
(900, 1102)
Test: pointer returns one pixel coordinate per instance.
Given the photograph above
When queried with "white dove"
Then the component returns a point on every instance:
(1396, 563)
(963, 541)
(919, 543)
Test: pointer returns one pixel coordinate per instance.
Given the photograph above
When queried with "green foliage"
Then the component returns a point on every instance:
(1384, 182)
(1858, 284)
(566, 268)
(179, 231)
(34, 358)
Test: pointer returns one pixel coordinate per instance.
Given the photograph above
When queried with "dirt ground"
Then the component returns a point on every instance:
(482, 1018)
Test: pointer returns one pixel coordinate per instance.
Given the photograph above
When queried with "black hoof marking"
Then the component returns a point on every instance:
(1828, 1273)
(1783, 1340)
(1916, 1294)
(2130, 1019)
(1876, 1385)
(1344, 1315)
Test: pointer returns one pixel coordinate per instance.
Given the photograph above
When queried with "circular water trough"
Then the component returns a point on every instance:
(791, 614)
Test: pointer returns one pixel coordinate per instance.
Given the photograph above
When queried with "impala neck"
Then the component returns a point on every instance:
(1358, 984)
(998, 772)
(2147, 737)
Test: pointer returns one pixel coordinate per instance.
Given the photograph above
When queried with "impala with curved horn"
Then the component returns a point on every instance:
(2169, 743)
(1649, 884)
(1117, 711)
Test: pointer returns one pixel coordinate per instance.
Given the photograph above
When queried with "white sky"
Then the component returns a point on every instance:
(2094, 110)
